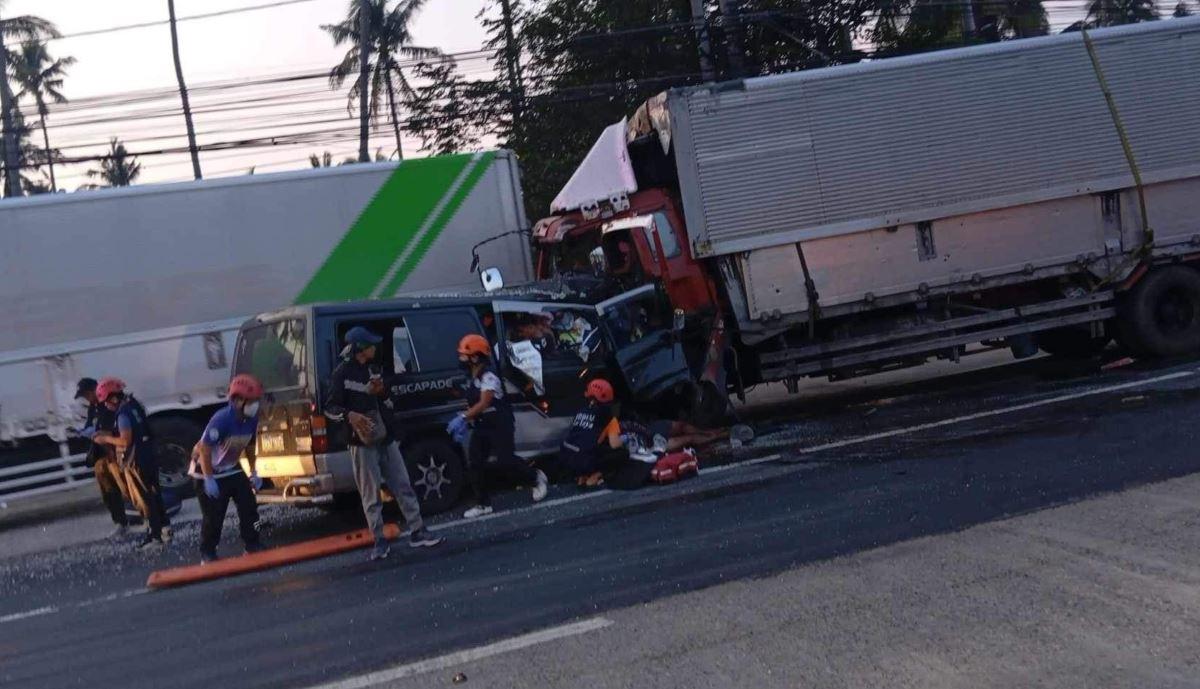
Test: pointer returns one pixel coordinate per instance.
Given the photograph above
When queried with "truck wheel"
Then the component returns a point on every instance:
(174, 437)
(1161, 315)
(1071, 343)
(437, 473)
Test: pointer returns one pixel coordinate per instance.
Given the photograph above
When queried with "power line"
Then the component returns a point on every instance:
(164, 22)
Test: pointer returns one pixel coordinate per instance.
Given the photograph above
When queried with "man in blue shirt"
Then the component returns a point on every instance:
(134, 450)
(216, 466)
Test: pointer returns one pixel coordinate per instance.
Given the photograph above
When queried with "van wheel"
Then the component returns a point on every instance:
(174, 437)
(1161, 315)
(437, 473)
(1073, 342)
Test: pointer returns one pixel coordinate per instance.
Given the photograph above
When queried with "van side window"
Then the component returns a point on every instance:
(404, 355)
(434, 337)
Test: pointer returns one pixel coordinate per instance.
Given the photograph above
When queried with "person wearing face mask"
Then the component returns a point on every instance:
(134, 449)
(216, 466)
(489, 416)
(356, 391)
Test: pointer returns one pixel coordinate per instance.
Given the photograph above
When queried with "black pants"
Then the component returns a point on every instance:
(109, 479)
(498, 439)
(141, 485)
(234, 487)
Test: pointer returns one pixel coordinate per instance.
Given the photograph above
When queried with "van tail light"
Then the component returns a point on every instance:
(320, 437)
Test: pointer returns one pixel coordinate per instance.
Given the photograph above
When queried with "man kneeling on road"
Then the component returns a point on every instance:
(355, 390)
(216, 466)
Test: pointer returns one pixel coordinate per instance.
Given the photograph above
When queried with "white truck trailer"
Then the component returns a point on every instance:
(843, 220)
(151, 283)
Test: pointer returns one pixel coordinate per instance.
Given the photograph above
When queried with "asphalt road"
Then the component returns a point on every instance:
(843, 477)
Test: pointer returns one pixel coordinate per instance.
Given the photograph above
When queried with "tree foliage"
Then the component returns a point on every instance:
(40, 78)
(117, 169)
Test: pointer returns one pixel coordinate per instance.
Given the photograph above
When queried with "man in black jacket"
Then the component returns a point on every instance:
(100, 457)
(355, 390)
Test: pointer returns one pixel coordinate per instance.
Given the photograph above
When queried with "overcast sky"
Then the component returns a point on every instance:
(248, 44)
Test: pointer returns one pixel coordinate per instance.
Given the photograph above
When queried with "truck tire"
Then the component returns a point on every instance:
(437, 472)
(1160, 316)
(174, 437)
(1071, 343)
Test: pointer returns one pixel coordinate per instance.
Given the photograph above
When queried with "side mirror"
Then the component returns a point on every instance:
(492, 279)
(678, 321)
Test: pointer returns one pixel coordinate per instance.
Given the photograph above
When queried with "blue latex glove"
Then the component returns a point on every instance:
(256, 482)
(457, 428)
(211, 489)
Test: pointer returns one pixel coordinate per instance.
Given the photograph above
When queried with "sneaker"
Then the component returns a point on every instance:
(150, 544)
(542, 487)
(477, 511)
(423, 539)
(380, 551)
(740, 435)
(119, 531)
(208, 558)
(167, 534)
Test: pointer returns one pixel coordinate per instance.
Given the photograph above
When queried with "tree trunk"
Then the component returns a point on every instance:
(513, 64)
(12, 158)
(395, 121)
(49, 155)
(364, 74)
(183, 93)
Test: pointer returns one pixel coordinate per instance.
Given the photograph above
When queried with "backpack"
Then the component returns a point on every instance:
(674, 466)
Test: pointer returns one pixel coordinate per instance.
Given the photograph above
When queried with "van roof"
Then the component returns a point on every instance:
(549, 291)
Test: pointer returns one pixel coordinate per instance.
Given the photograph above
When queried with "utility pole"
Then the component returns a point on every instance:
(364, 79)
(183, 94)
(512, 58)
(12, 158)
(731, 14)
(703, 44)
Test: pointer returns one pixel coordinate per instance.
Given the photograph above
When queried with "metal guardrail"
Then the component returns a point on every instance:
(62, 473)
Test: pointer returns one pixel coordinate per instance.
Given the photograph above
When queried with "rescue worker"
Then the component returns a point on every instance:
(101, 458)
(355, 392)
(593, 444)
(490, 417)
(217, 469)
(134, 450)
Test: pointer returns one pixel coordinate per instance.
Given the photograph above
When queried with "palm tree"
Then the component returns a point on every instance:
(22, 28)
(388, 39)
(40, 77)
(1117, 12)
(117, 169)
(183, 93)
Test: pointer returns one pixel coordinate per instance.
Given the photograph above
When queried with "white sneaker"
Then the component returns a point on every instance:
(542, 487)
(167, 535)
(477, 511)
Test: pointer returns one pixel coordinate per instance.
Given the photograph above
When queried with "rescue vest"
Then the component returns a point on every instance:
(579, 451)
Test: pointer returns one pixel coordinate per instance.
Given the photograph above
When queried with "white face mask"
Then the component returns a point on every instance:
(251, 409)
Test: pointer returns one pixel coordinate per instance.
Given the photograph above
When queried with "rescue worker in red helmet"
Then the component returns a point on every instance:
(134, 449)
(217, 469)
(489, 416)
(593, 444)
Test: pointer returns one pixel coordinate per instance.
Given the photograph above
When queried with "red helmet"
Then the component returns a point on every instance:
(108, 387)
(245, 386)
(600, 390)
(473, 344)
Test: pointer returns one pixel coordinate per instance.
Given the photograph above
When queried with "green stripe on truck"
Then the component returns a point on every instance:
(435, 230)
(386, 227)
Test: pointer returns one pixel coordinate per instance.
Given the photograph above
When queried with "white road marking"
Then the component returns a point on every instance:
(27, 614)
(994, 412)
(449, 660)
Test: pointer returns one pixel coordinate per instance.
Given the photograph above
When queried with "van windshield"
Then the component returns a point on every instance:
(273, 353)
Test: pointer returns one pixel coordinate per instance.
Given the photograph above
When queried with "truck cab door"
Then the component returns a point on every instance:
(645, 345)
